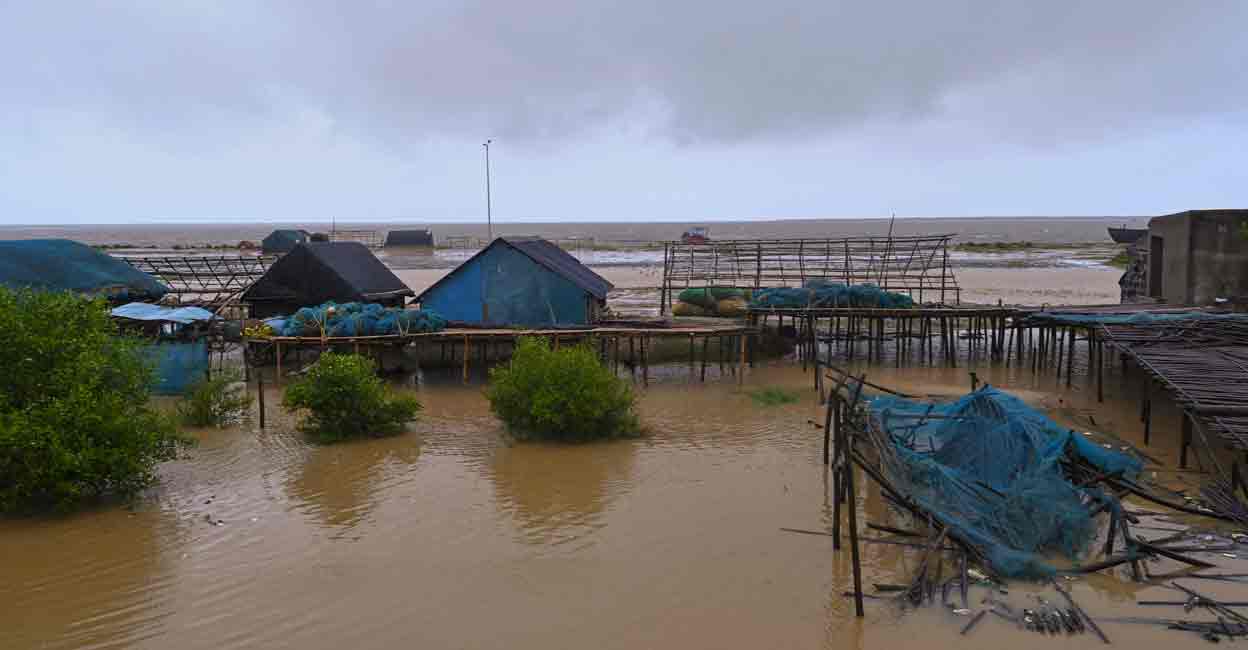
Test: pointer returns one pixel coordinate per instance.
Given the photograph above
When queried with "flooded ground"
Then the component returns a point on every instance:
(451, 536)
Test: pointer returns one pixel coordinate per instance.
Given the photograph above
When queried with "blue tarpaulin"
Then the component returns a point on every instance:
(177, 365)
(149, 312)
(64, 265)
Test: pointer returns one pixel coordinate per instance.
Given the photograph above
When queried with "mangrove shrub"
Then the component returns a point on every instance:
(75, 423)
(215, 402)
(343, 398)
(565, 394)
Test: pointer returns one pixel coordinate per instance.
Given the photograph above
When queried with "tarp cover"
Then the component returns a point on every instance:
(64, 265)
(148, 312)
(177, 365)
(314, 273)
(987, 465)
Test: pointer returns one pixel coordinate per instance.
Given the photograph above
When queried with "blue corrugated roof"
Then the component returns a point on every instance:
(562, 262)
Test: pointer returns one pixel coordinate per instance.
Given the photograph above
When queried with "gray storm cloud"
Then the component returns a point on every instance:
(691, 72)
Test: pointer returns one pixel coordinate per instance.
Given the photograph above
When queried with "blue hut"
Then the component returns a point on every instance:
(524, 281)
(284, 241)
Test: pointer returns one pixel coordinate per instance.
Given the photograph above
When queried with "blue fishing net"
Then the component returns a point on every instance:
(824, 293)
(360, 319)
(987, 465)
(1142, 318)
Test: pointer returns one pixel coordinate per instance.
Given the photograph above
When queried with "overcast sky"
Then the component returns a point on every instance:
(207, 110)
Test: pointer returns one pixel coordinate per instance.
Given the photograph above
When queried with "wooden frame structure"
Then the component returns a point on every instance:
(204, 279)
(734, 345)
(918, 266)
(370, 238)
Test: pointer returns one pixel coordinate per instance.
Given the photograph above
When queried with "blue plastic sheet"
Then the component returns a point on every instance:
(177, 365)
(149, 312)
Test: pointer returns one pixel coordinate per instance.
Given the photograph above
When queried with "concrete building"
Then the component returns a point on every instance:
(1198, 256)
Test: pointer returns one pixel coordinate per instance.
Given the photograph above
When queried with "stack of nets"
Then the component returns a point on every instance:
(360, 319)
(988, 467)
(712, 301)
(822, 293)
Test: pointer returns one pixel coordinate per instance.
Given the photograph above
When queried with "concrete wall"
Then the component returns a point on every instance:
(1219, 255)
(1205, 256)
(1171, 283)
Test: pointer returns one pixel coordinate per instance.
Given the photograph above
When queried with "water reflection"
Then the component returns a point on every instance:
(341, 484)
(66, 589)
(557, 493)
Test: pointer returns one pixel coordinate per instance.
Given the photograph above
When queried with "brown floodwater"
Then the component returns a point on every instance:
(452, 536)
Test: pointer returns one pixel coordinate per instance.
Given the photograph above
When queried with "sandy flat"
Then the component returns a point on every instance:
(636, 286)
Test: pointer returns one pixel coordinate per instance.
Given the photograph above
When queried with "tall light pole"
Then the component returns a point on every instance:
(489, 217)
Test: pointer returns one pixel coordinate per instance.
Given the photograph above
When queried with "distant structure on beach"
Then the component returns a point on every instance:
(1125, 235)
(519, 281)
(318, 272)
(696, 235)
(283, 241)
(65, 265)
(409, 239)
(1197, 257)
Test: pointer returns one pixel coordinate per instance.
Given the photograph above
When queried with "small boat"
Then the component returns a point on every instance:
(695, 235)
(1125, 235)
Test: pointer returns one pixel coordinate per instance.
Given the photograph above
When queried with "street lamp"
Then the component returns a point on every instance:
(489, 217)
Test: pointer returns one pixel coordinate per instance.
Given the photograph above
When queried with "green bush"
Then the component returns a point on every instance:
(773, 396)
(565, 394)
(215, 402)
(345, 399)
(74, 417)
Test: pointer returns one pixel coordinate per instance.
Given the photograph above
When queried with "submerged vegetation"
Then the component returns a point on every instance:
(74, 417)
(344, 399)
(215, 402)
(772, 396)
(564, 395)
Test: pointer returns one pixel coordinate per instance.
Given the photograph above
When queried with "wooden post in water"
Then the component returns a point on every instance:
(466, 350)
(852, 504)
(705, 341)
(278, 355)
(1186, 441)
(741, 367)
(260, 396)
(1070, 356)
(643, 343)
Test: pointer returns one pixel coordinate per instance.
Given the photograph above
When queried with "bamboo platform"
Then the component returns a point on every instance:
(735, 343)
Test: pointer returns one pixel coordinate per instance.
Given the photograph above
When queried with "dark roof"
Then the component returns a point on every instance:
(409, 238)
(315, 272)
(283, 240)
(560, 261)
(547, 255)
(1126, 235)
(65, 265)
